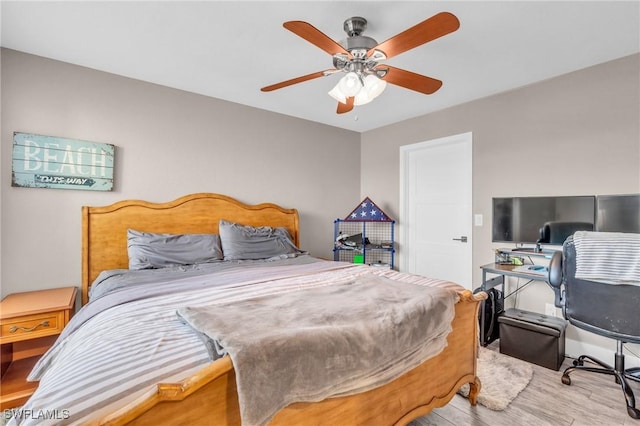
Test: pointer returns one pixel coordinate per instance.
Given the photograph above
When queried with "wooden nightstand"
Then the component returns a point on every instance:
(29, 324)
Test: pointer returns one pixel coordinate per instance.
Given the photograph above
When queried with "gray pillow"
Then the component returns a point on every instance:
(241, 242)
(149, 250)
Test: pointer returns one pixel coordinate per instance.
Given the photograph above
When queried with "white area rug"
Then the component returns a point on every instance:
(502, 378)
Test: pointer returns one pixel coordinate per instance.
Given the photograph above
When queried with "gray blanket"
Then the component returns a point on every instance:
(341, 338)
(608, 257)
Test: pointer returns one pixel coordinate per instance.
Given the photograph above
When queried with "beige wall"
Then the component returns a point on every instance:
(168, 143)
(572, 135)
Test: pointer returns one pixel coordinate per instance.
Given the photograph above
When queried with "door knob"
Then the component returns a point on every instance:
(462, 239)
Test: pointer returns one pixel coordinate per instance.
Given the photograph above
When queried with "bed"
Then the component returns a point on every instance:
(206, 392)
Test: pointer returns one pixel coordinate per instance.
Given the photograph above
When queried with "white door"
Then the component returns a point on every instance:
(435, 209)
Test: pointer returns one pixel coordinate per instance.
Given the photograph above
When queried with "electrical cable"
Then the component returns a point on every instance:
(519, 288)
(631, 352)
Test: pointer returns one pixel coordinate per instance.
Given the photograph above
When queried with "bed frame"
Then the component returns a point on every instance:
(209, 396)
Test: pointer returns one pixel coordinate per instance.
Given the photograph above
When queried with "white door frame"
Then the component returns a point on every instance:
(405, 153)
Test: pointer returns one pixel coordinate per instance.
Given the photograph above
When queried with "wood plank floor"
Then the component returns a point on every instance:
(591, 400)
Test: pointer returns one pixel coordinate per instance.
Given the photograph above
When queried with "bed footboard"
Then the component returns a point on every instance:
(210, 396)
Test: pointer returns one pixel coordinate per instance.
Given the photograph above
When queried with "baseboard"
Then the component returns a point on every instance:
(575, 348)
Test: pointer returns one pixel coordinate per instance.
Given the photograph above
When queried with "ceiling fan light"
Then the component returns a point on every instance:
(337, 94)
(374, 86)
(350, 84)
(361, 98)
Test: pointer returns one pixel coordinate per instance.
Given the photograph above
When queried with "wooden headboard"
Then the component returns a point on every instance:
(104, 229)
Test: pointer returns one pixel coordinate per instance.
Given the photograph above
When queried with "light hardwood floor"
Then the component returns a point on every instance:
(591, 399)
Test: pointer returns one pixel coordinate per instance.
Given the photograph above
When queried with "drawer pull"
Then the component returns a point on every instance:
(25, 329)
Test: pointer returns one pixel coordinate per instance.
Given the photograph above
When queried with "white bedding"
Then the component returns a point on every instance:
(121, 353)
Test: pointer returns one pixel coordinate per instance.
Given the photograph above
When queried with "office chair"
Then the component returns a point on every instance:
(557, 232)
(610, 310)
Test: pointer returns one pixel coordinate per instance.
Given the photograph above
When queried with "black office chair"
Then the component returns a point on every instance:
(610, 310)
(557, 232)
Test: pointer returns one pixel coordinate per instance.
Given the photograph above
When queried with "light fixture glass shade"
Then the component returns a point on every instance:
(350, 84)
(374, 86)
(337, 94)
(362, 97)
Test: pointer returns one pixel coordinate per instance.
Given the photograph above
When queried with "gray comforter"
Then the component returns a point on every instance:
(128, 338)
(342, 337)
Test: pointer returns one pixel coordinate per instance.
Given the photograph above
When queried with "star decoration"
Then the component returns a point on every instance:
(368, 211)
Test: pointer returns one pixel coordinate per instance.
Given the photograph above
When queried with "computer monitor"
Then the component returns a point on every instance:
(618, 213)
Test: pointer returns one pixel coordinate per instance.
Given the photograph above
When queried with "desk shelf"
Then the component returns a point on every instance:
(524, 252)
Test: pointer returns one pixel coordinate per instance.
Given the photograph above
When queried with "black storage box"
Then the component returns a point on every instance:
(532, 337)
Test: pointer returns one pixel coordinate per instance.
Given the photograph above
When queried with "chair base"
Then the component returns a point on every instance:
(621, 375)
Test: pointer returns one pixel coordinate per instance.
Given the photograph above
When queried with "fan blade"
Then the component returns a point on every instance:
(410, 80)
(297, 80)
(342, 108)
(315, 37)
(430, 29)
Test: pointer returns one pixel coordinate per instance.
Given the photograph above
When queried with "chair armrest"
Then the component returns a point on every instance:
(555, 270)
(555, 277)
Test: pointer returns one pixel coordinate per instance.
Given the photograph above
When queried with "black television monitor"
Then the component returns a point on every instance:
(618, 213)
(550, 220)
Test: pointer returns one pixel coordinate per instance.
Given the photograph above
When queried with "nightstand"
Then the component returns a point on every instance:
(29, 324)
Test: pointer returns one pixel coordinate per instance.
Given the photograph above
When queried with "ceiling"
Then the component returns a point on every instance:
(229, 50)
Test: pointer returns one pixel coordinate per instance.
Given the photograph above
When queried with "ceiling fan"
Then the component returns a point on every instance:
(359, 57)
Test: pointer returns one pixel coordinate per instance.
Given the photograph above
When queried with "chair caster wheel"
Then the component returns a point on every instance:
(633, 412)
(577, 363)
(566, 379)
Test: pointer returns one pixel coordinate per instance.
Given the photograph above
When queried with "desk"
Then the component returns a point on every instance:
(503, 271)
